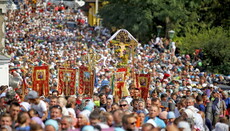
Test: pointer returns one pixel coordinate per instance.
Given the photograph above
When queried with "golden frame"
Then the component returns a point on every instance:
(143, 81)
(119, 76)
(41, 75)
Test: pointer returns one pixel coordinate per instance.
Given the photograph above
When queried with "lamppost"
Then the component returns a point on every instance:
(171, 35)
(159, 27)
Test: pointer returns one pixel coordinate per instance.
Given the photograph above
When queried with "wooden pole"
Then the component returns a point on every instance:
(133, 45)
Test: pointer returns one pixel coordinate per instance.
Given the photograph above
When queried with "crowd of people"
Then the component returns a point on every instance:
(182, 96)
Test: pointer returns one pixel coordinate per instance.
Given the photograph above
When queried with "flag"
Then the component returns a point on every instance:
(86, 81)
(119, 83)
(40, 80)
(143, 82)
(67, 81)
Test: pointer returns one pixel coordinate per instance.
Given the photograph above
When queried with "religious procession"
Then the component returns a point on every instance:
(65, 75)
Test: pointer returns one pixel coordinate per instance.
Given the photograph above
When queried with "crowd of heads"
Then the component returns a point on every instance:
(181, 96)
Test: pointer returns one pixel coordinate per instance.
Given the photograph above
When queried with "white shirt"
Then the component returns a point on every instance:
(199, 123)
(40, 108)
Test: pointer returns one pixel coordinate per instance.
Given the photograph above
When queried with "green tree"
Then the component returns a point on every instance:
(215, 13)
(141, 17)
(129, 15)
(215, 43)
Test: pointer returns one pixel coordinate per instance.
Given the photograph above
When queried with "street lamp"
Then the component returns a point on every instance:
(159, 27)
(171, 34)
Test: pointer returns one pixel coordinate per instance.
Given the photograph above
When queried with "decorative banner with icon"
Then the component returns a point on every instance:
(86, 81)
(67, 81)
(119, 83)
(142, 82)
(40, 80)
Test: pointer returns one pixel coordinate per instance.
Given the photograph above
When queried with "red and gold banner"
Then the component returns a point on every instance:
(119, 83)
(86, 81)
(67, 81)
(40, 80)
(142, 82)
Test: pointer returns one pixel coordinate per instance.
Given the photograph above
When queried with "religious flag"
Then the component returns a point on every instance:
(40, 80)
(86, 81)
(119, 83)
(142, 82)
(67, 81)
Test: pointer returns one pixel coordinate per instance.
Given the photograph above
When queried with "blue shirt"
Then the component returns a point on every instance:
(201, 107)
(227, 102)
(26, 128)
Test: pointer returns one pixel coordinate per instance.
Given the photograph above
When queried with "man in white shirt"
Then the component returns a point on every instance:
(38, 105)
(192, 113)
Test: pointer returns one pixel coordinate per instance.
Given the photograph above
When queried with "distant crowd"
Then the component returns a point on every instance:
(181, 97)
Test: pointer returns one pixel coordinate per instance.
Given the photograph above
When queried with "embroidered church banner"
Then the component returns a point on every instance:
(40, 80)
(67, 81)
(86, 81)
(142, 82)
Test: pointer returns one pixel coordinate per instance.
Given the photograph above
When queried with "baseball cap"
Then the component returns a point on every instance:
(171, 115)
(32, 95)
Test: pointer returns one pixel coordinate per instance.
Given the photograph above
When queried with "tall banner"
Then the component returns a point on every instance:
(119, 83)
(40, 80)
(86, 81)
(67, 81)
(142, 82)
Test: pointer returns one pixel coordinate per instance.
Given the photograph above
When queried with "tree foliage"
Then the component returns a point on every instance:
(197, 23)
(215, 43)
(141, 18)
(129, 15)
